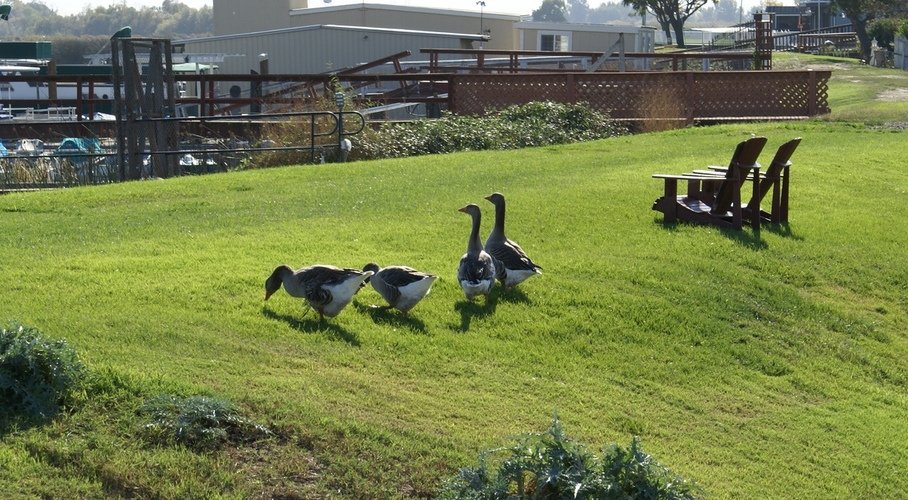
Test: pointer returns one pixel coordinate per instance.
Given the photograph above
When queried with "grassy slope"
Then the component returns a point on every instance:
(769, 365)
(856, 92)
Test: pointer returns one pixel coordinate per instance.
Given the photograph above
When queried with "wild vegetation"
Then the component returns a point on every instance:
(528, 125)
(753, 364)
(551, 465)
(521, 126)
(36, 374)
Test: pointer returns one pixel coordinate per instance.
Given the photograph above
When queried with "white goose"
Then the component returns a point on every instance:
(476, 273)
(327, 289)
(511, 261)
(403, 287)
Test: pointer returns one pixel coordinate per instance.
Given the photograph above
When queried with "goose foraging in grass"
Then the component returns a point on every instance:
(403, 287)
(513, 265)
(476, 273)
(327, 289)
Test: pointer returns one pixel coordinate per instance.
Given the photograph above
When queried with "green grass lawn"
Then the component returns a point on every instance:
(857, 92)
(758, 365)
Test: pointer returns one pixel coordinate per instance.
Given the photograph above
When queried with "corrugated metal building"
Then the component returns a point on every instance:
(302, 40)
(498, 27)
(318, 48)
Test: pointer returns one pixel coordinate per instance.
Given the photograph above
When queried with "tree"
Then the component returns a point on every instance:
(551, 11)
(578, 11)
(612, 12)
(729, 11)
(671, 13)
(861, 12)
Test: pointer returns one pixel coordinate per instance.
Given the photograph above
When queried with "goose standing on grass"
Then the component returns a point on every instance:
(476, 273)
(403, 287)
(327, 289)
(513, 265)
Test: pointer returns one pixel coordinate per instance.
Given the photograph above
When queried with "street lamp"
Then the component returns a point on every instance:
(819, 16)
(481, 4)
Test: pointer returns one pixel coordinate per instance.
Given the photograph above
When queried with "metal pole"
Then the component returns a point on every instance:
(341, 148)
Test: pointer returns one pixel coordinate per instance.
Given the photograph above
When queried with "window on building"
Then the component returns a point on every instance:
(555, 42)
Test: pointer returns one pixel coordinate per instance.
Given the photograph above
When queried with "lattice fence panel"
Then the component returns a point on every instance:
(481, 94)
(653, 95)
(633, 95)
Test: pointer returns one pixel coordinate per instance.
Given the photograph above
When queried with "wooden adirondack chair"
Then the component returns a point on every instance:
(714, 198)
(775, 178)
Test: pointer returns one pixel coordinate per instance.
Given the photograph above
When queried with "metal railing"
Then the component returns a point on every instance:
(49, 167)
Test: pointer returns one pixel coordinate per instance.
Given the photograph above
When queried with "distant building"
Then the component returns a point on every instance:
(298, 39)
(807, 15)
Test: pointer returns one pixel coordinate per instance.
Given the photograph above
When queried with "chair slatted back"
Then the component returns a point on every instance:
(743, 160)
(781, 160)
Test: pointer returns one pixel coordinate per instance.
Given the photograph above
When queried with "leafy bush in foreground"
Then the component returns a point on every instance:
(36, 374)
(198, 422)
(532, 124)
(549, 465)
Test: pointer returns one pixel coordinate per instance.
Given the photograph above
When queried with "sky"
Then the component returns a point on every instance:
(66, 7)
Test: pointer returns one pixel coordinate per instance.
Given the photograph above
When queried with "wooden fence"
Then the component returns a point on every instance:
(687, 96)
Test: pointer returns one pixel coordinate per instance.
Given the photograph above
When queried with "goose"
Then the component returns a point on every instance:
(511, 261)
(403, 287)
(476, 273)
(327, 289)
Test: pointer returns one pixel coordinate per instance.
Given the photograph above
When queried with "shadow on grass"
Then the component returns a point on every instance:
(392, 317)
(313, 325)
(514, 296)
(781, 229)
(476, 309)
(745, 237)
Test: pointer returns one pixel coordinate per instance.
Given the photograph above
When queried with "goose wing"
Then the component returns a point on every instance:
(401, 276)
(316, 279)
(510, 254)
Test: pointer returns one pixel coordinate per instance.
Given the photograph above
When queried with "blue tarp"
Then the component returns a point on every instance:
(79, 145)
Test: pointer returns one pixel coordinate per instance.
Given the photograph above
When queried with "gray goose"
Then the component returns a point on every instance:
(403, 287)
(476, 273)
(327, 289)
(511, 261)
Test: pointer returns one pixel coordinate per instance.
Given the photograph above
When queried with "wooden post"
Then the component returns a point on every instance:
(52, 86)
(571, 84)
(764, 41)
(689, 97)
(811, 93)
(141, 112)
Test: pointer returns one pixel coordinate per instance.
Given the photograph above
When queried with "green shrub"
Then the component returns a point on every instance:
(884, 30)
(37, 374)
(549, 465)
(532, 124)
(198, 422)
(903, 28)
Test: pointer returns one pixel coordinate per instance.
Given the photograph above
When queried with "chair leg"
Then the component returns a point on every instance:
(670, 200)
(783, 204)
(755, 210)
(775, 215)
(736, 212)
